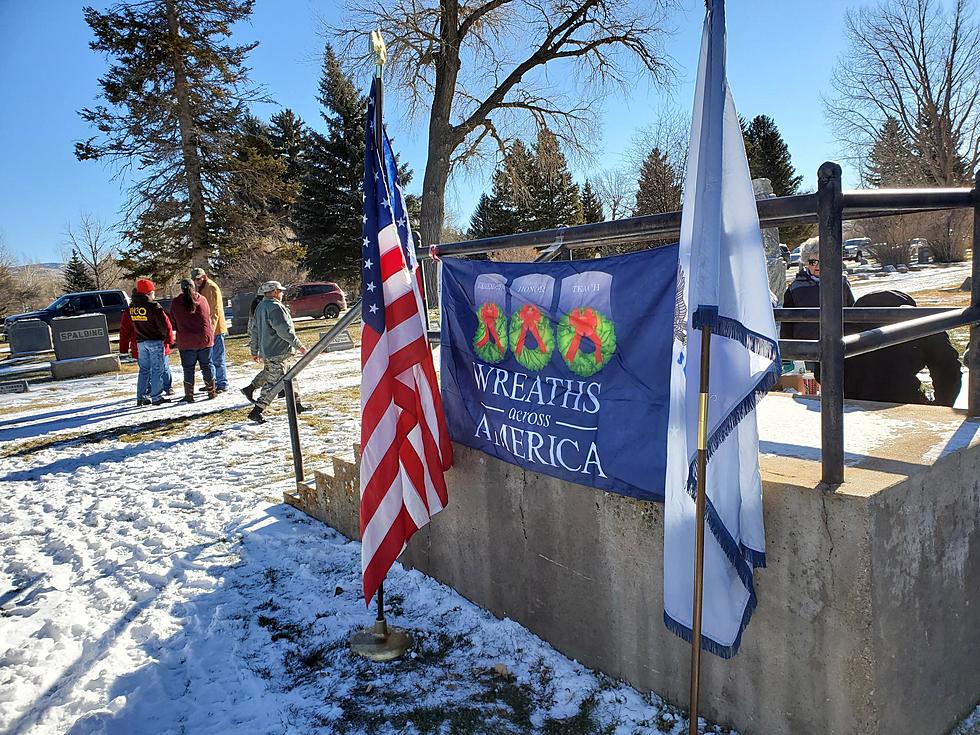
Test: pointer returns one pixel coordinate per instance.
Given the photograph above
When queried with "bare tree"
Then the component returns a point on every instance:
(670, 134)
(8, 283)
(616, 188)
(480, 71)
(916, 62)
(95, 245)
(36, 286)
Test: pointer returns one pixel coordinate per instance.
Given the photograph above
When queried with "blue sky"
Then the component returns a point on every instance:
(781, 55)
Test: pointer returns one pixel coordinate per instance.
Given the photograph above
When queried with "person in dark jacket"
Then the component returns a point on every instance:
(804, 291)
(151, 330)
(889, 375)
(127, 343)
(191, 314)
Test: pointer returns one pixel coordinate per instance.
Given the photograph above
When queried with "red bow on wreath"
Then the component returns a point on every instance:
(489, 314)
(584, 321)
(529, 316)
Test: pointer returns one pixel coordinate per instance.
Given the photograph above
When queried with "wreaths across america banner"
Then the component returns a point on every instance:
(563, 368)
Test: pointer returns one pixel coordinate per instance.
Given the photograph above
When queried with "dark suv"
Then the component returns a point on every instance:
(111, 303)
(315, 298)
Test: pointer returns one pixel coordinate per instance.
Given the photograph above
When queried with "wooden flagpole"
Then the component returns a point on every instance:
(380, 643)
(702, 491)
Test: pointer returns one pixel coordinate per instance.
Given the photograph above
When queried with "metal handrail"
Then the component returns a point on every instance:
(286, 382)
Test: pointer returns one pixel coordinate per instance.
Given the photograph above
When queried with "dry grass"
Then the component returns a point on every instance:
(952, 298)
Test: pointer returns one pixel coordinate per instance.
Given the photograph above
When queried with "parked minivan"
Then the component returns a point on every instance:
(112, 303)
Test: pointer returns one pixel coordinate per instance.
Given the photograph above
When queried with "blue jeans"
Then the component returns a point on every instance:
(151, 362)
(218, 366)
(190, 358)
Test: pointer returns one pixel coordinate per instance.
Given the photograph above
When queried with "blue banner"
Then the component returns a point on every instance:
(563, 368)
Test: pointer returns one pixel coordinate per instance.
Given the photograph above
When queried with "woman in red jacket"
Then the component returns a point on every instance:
(191, 316)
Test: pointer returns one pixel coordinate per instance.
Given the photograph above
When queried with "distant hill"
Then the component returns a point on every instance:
(55, 268)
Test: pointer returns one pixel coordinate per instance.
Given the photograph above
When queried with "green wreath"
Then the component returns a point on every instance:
(490, 341)
(586, 323)
(530, 321)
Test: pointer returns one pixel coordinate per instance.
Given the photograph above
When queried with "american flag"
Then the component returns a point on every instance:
(405, 445)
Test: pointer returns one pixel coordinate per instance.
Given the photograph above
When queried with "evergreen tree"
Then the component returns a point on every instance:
(287, 134)
(328, 212)
(591, 205)
(253, 216)
(175, 94)
(769, 157)
(891, 161)
(76, 275)
(554, 198)
(659, 187)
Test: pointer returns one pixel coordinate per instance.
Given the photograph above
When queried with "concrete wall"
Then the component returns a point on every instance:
(869, 611)
(925, 547)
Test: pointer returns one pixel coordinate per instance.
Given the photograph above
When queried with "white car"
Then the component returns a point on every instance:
(855, 247)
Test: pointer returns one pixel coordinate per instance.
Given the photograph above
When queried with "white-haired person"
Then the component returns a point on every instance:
(804, 291)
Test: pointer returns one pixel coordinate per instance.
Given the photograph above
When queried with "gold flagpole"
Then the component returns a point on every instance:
(702, 490)
(380, 643)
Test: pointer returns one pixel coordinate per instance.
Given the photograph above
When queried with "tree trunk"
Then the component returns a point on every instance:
(192, 163)
(442, 140)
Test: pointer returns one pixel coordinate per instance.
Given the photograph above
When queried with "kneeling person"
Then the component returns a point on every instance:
(273, 341)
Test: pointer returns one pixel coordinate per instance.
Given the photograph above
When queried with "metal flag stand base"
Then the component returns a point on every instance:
(381, 642)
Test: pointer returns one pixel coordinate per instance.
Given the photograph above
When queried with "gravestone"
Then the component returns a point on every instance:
(342, 341)
(29, 335)
(13, 386)
(80, 336)
(925, 254)
(79, 367)
(775, 264)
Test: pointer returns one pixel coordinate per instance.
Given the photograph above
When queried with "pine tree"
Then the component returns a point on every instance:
(891, 161)
(175, 94)
(254, 215)
(287, 134)
(591, 205)
(769, 157)
(76, 275)
(659, 187)
(554, 198)
(328, 212)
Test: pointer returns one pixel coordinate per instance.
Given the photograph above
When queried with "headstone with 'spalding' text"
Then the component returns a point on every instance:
(80, 336)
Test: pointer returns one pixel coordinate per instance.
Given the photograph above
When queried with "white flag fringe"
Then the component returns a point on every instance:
(722, 282)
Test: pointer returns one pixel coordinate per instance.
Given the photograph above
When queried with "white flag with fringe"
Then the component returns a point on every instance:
(722, 282)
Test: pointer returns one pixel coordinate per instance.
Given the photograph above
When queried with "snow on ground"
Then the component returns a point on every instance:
(928, 278)
(152, 581)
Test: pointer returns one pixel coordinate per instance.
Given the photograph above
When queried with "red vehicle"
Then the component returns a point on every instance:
(316, 299)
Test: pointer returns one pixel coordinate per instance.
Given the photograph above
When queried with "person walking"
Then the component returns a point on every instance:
(195, 337)
(272, 341)
(152, 331)
(127, 343)
(804, 291)
(212, 292)
(890, 375)
(256, 383)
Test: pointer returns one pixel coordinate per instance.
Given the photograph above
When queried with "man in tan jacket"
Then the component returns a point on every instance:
(212, 292)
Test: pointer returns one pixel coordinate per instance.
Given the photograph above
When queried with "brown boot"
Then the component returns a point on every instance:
(212, 391)
(188, 393)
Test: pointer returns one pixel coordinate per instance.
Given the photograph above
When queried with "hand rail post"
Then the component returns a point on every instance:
(973, 361)
(830, 211)
(294, 432)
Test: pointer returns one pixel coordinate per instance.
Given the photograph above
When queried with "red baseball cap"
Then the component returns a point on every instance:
(145, 286)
